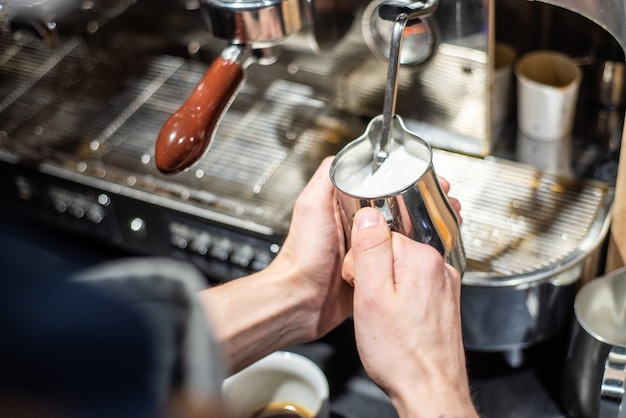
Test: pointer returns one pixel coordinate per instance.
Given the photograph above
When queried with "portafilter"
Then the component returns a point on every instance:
(252, 28)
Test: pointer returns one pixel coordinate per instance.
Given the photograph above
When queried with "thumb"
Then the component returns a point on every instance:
(372, 251)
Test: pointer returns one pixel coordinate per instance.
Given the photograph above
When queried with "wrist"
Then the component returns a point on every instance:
(438, 399)
(442, 408)
(451, 406)
(257, 314)
(296, 305)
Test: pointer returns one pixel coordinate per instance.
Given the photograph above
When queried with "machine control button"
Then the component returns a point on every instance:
(61, 205)
(180, 235)
(201, 243)
(242, 256)
(78, 207)
(25, 190)
(222, 249)
(137, 225)
(60, 200)
(179, 242)
(104, 200)
(95, 214)
(261, 260)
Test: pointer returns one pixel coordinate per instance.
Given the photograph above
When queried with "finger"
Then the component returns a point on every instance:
(347, 270)
(317, 199)
(372, 252)
(454, 276)
(415, 263)
(319, 184)
(455, 203)
(445, 185)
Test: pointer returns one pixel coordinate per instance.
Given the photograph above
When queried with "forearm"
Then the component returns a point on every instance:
(256, 315)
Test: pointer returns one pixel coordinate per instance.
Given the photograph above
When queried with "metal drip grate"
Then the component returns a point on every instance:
(96, 114)
(517, 220)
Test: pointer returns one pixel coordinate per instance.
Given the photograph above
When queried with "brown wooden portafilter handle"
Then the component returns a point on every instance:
(186, 135)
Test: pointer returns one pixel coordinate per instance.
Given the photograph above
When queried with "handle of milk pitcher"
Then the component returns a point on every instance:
(612, 391)
(186, 135)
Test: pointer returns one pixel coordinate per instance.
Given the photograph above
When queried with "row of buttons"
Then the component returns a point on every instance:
(219, 247)
(79, 206)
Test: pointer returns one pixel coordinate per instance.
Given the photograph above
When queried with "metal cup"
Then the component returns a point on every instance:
(417, 208)
(595, 367)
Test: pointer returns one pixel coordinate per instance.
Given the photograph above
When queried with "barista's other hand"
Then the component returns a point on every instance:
(299, 297)
(407, 320)
(315, 248)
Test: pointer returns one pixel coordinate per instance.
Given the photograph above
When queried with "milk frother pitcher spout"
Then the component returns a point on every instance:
(405, 189)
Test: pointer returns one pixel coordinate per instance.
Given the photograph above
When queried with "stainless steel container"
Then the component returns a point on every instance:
(509, 315)
(595, 371)
(531, 239)
(418, 208)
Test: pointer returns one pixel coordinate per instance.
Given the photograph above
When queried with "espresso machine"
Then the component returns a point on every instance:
(90, 94)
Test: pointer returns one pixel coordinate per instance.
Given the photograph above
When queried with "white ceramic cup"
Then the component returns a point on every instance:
(504, 58)
(280, 378)
(547, 92)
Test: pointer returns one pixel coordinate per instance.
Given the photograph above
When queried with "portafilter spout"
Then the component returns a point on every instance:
(403, 15)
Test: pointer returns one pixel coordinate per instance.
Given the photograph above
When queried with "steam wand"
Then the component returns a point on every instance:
(401, 14)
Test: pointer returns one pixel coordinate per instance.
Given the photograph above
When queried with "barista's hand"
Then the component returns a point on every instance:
(407, 320)
(348, 262)
(314, 252)
(300, 296)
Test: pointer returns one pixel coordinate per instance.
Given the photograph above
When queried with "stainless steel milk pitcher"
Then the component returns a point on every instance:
(594, 381)
(417, 208)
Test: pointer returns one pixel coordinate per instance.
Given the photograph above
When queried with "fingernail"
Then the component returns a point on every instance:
(366, 218)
